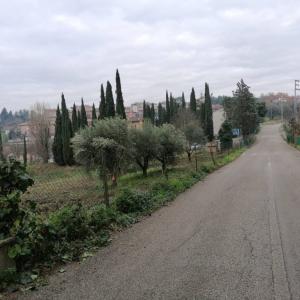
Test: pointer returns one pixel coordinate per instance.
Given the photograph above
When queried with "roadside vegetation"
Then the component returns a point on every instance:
(174, 149)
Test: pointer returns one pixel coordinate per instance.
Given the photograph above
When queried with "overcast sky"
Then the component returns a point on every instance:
(48, 47)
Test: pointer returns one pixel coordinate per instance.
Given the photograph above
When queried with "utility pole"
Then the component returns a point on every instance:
(297, 88)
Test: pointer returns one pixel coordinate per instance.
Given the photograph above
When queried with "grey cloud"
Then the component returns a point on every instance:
(47, 47)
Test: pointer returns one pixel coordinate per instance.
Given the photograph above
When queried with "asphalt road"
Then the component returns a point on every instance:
(235, 235)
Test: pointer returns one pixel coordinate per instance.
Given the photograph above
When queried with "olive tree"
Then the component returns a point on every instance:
(104, 148)
(190, 125)
(143, 145)
(171, 142)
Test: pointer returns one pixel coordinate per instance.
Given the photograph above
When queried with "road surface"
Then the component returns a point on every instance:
(236, 235)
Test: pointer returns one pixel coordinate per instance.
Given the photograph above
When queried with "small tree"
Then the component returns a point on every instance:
(94, 114)
(120, 109)
(189, 124)
(84, 121)
(102, 106)
(143, 145)
(170, 142)
(57, 143)
(74, 119)
(110, 104)
(40, 130)
(209, 124)
(1, 146)
(24, 151)
(225, 135)
(66, 133)
(193, 103)
(168, 109)
(183, 104)
(104, 148)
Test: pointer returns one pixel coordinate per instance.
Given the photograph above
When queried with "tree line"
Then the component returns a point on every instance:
(66, 126)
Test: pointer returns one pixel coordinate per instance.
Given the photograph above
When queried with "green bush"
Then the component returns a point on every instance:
(133, 201)
(70, 223)
(13, 181)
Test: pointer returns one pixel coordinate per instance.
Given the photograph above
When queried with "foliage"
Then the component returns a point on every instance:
(133, 201)
(24, 151)
(225, 135)
(261, 109)
(1, 146)
(94, 114)
(190, 125)
(208, 122)
(84, 121)
(66, 133)
(13, 181)
(170, 142)
(103, 147)
(120, 109)
(168, 110)
(245, 110)
(193, 103)
(102, 106)
(75, 122)
(109, 98)
(143, 145)
(57, 143)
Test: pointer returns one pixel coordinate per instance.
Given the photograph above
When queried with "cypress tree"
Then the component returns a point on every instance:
(168, 115)
(202, 115)
(148, 112)
(24, 151)
(144, 110)
(66, 133)
(94, 114)
(183, 104)
(110, 104)
(193, 104)
(160, 114)
(74, 119)
(57, 147)
(120, 109)
(102, 106)
(209, 125)
(1, 146)
(78, 119)
(172, 107)
(152, 111)
(84, 121)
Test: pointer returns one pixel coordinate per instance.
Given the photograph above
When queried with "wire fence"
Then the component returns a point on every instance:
(57, 186)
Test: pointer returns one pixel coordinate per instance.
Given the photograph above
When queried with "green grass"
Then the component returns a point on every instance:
(56, 186)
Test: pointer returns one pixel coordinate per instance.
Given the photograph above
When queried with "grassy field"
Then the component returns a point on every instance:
(56, 186)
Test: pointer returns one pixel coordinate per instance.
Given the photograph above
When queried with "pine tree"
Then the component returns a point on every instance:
(78, 119)
(152, 112)
(102, 106)
(84, 121)
(183, 104)
(209, 125)
(110, 104)
(57, 147)
(160, 114)
(120, 109)
(1, 146)
(66, 133)
(168, 113)
(193, 103)
(74, 119)
(94, 114)
(24, 151)
(245, 111)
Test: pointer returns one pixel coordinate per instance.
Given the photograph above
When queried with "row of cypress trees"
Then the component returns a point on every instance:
(66, 127)
(167, 113)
